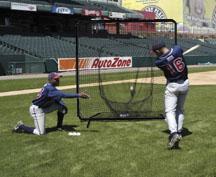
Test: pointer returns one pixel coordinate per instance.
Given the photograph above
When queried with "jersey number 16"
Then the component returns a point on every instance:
(178, 64)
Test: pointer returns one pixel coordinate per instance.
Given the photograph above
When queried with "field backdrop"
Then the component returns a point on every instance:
(106, 149)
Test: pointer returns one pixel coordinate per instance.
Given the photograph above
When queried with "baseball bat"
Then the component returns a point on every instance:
(191, 49)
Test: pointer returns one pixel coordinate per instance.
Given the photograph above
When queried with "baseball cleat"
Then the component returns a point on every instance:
(174, 139)
(60, 129)
(180, 134)
(17, 127)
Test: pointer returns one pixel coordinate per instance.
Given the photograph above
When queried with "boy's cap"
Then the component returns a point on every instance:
(54, 75)
(158, 46)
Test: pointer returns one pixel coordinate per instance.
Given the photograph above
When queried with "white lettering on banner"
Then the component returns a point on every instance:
(116, 62)
(63, 10)
(23, 6)
(117, 15)
(159, 13)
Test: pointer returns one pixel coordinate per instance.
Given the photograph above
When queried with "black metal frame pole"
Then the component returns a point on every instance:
(77, 66)
(117, 28)
(175, 32)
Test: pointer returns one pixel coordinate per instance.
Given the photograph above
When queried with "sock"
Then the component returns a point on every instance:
(27, 129)
(171, 121)
(60, 119)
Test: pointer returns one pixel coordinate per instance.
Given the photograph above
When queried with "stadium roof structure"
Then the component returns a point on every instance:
(74, 6)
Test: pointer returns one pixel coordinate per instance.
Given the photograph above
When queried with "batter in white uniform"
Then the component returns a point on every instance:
(172, 63)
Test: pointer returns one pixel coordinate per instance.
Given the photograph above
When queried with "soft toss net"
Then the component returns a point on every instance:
(116, 68)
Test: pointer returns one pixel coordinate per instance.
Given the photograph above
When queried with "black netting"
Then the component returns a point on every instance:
(122, 91)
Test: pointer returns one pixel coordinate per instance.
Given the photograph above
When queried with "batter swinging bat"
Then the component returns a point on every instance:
(191, 49)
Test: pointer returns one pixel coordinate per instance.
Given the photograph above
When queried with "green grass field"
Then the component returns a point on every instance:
(107, 149)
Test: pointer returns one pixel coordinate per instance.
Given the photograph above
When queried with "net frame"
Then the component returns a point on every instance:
(117, 118)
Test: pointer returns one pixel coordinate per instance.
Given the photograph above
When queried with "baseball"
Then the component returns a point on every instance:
(74, 134)
(132, 91)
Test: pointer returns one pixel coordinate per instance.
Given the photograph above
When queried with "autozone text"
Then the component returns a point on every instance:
(111, 63)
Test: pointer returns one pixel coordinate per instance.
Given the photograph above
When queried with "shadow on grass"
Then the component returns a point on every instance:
(185, 132)
(64, 128)
(68, 128)
(88, 130)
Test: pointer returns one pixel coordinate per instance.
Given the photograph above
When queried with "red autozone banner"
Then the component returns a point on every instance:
(65, 64)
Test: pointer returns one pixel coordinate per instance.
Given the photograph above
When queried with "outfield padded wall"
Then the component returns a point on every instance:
(18, 64)
(194, 60)
(5, 61)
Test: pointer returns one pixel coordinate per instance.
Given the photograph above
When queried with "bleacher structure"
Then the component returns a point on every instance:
(211, 41)
(56, 47)
(206, 49)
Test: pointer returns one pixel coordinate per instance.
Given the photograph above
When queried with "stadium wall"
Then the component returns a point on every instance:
(19, 64)
(7, 63)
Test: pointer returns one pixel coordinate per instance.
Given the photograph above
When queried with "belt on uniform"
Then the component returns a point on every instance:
(178, 80)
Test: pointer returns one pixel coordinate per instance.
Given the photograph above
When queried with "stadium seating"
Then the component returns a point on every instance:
(45, 46)
(205, 49)
(56, 47)
(211, 41)
(5, 50)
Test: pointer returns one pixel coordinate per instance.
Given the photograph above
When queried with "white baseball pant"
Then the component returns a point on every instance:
(175, 95)
(38, 115)
(39, 119)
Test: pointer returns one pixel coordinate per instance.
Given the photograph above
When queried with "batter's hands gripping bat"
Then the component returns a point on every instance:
(191, 49)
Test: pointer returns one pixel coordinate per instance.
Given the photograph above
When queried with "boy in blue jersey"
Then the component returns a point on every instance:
(48, 100)
(174, 67)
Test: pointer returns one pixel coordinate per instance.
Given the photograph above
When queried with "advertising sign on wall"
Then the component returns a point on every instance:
(162, 8)
(23, 6)
(117, 15)
(62, 10)
(199, 14)
(193, 16)
(65, 64)
(94, 13)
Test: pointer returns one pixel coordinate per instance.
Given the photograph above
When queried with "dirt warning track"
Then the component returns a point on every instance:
(202, 78)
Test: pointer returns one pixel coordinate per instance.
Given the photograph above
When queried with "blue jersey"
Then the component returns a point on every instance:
(49, 94)
(173, 65)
